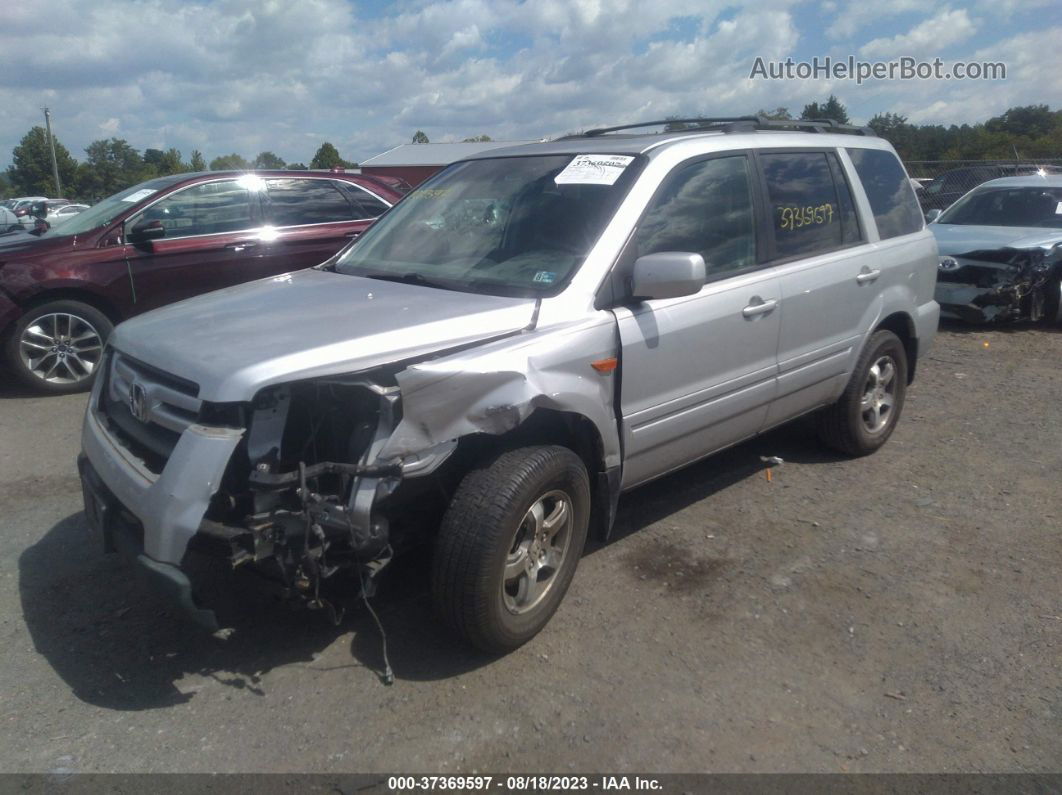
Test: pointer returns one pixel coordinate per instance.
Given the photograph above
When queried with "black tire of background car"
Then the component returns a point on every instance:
(13, 360)
(841, 425)
(1052, 302)
(476, 533)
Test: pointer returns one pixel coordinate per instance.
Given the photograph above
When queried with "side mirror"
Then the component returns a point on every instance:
(146, 230)
(667, 274)
(39, 210)
(933, 215)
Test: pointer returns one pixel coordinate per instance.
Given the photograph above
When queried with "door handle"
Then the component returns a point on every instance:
(758, 306)
(241, 245)
(355, 233)
(868, 275)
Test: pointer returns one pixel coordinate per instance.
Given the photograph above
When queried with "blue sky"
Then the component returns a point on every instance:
(250, 75)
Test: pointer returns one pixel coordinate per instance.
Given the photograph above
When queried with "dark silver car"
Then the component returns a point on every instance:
(1001, 252)
(522, 338)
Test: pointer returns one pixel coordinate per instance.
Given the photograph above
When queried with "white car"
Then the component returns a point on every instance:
(8, 220)
(56, 215)
(21, 207)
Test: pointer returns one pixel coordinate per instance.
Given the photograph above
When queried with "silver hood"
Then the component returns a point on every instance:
(958, 239)
(309, 323)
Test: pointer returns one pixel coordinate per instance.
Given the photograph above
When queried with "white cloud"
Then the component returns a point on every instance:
(248, 75)
(1034, 77)
(926, 39)
(855, 16)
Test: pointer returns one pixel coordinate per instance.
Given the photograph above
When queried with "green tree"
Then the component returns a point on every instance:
(830, 109)
(233, 162)
(327, 156)
(197, 162)
(153, 157)
(297, 166)
(778, 114)
(894, 128)
(268, 160)
(673, 125)
(475, 139)
(111, 165)
(420, 138)
(164, 163)
(30, 173)
(1028, 121)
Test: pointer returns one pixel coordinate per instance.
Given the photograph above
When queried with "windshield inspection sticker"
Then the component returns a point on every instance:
(544, 277)
(593, 170)
(136, 196)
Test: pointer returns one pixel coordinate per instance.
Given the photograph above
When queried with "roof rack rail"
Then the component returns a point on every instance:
(729, 124)
(702, 121)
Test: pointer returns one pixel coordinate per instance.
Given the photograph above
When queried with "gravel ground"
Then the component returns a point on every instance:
(901, 612)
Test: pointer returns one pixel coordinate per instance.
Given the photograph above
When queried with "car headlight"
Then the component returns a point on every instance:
(949, 264)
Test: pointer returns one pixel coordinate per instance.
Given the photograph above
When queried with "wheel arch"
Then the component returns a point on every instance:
(94, 300)
(548, 426)
(902, 325)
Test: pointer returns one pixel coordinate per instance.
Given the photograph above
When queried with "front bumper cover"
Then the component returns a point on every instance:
(123, 534)
(170, 505)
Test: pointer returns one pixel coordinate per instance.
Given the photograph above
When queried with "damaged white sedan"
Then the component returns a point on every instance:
(1001, 252)
(514, 344)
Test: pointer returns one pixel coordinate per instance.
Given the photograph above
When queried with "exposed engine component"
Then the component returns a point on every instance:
(304, 495)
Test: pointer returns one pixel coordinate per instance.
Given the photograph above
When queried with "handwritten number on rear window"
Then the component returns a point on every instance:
(791, 218)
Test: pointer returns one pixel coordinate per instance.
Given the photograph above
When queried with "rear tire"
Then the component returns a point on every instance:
(509, 545)
(56, 347)
(865, 416)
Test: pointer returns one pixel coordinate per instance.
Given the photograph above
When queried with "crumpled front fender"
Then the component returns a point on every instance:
(494, 388)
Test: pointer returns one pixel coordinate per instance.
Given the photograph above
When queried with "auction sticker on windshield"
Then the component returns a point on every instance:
(593, 170)
(136, 196)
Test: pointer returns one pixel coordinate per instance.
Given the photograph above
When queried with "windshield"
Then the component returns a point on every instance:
(508, 226)
(110, 208)
(1033, 206)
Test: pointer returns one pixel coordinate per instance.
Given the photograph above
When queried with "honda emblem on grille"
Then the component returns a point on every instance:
(138, 404)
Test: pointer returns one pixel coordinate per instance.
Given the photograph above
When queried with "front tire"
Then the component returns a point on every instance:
(1052, 306)
(509, 545)
(865, 416)
(56, 347)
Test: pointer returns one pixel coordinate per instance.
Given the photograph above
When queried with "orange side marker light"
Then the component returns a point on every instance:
(605, 366)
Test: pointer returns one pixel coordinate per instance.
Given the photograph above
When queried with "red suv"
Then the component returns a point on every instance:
(163, 240)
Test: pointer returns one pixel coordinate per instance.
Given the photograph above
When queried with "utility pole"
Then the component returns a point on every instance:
(51, 146)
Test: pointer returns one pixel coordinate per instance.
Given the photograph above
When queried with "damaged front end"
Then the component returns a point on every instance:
(305, 495)
(1001, 285)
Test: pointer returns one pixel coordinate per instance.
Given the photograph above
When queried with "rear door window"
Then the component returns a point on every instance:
(892, 199)
(296, 202)
(206, 209)
(811, 205)
(366, 205)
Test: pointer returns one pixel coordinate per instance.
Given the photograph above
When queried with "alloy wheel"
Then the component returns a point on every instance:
(537, 552)
(61, 348)
(879, 395)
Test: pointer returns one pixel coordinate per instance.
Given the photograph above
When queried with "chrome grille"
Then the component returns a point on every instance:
(146, 409)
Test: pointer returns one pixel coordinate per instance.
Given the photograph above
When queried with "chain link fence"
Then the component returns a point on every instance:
(941, 182)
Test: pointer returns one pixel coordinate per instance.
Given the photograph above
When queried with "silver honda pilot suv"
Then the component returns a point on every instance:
(524, 337)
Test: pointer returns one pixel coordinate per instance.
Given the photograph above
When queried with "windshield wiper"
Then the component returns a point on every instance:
(406, 278)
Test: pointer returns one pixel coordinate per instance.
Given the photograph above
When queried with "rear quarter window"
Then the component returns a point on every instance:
(892, 199)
